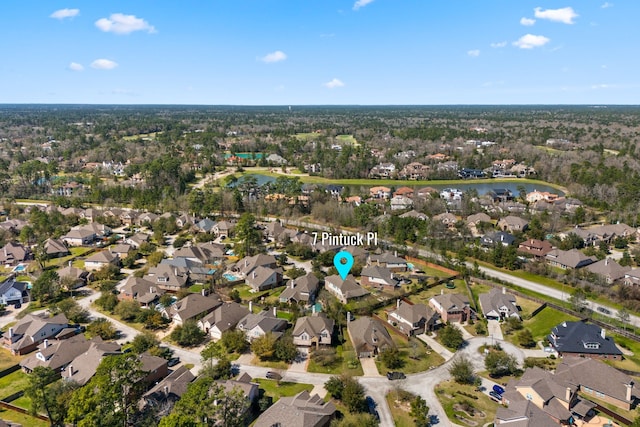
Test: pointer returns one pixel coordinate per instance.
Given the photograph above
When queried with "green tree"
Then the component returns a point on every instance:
(155, 258)
(391, 358)
(500, 363)
(353, 395)
(72, 310)
(451, 337)
(264, 346)
(107, 301)
(178, 420)
(102, 328)
(335, 387)
(461, 370)
(420, 412)
(578, 300)
(46, 287)
(284, 349)
(127, 310)
(108, 272)
(234, 341)
(188, 334)
(355, 420)
(40, 394)
(143, 342)
(249, 237)
(525, 339)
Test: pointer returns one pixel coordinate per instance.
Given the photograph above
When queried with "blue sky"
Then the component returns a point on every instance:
(291, 52)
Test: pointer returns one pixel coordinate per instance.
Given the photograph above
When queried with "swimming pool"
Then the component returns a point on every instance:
(410, 266)
(19, 268)
(230, 277)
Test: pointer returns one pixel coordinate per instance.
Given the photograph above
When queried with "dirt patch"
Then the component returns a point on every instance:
(470, 414)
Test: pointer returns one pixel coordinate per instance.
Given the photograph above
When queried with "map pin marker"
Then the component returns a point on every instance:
(343, 261)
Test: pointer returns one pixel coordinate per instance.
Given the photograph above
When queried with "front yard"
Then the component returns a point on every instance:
(346, 362)
(416, 356)
(283, 389)
(464, 405)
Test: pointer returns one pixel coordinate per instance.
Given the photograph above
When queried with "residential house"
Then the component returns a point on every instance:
(369, 336)
(598, 380)
(223, 318)
(194, 269)
(192, 307)
(497, 238)
(224, 228)
(401, 203)
(447, 219)
(143, 291)
(155, 368)
(250, 390)
(451, 307)
(14, 253)
(415, 171)
(583, 340)
(536, 196)
(316, 329)
(168, 278)
(535, 248)
(388, 260)
(203, 253)
(380, 192)
(74, 277)
(412, 319)
(301, 410)
(632, 277)
(146, 218)
(247, 264)
(383, 170)
(79, 237)
(184, 220)
(404, 191)
(498, 305)
(513, 224)
(83, 367)
(500, 195)
(276, 159)
(451, 195)
(128, 217)
(137, 239)
(168, 391)
(569, 259)
(608, 269)
(426, 192)
(255, 325)
(55, 248)
(334, 190)
(262, 278)
(99, 260)
(477, 219)
(379, 277)
(121, 251)
(302, 289)
(415, 214)
(32, 330)
(344, 289)
(13, 291)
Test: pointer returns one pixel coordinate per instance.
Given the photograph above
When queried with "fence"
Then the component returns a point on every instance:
(613, 415)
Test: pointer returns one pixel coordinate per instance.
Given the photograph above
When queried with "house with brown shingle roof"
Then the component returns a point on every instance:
(315, 329)
(143, 291)
(100, 260)
(379, 277)
(193, 306)
(169, 390)
(76, 276)
(535, 248)
(262, 278)
(55, 248)
(32, 330)
(223, 318)
(301, 289)
(344, 289)
(255, 325)
(513, 224)
(167, 277)
(451, 307)
(84, 366)
(411, 318)
(608, 269)
(301, 410)
(569, 259)
(369, 336)
(13, 253)
(498, 305)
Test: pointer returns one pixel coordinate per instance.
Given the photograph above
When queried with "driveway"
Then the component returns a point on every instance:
(494, 329)
(435, 346)
(369, 367)
(300, 362)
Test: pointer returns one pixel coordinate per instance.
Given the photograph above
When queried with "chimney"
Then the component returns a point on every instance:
(568, 395)
(151, 290)
(70, 370)
(275, 311)
(253, 275)
(166, 390)
(10, 332)
(603, 334)
(441, 291)
(348, 317)
(398, 303)
(203, 292)
(70, 262)
(564, 324)
(175, 271)
(246, 262)
(606, 261)
(250, 306)
(313, 309)
(293, 284)
(629, 390)
(504, 290)
(46, 343)
(395, 253)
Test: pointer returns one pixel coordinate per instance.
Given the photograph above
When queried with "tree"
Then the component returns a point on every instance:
(234, 341)
(525, 339)
(127, 310)
(420, 412)
(391, 358)
(108, 272)
(40, 395)
(623, 316)
(143, 342)
(356, 420)
(461, 370)
(499, 363)
(72, 310)
(46, 287)
(578, 300)
(284, 349)
(188, 334)
(249, 237)
(451, 337)
(111, 396)
(155, 258)
(335, 387)
(107, 301)
(353, 395)
(102, 328)
(264, 346)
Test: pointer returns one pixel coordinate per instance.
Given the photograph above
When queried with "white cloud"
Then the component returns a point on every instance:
(361, 3)
(65, 13)
(474, 53)
(334, 84)
(74, 66)
(498, 44)
(565, 15)
(606, 5)
(529, 41)
(276, 56)
(123, 24)
(527, 22)
(104, 64)
(601, 86)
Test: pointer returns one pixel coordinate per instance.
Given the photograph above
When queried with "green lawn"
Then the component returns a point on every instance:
(346, 362)
(7, 359)
(12, 383)
(543, 322)
(425, 358)
(23, 402)
(75, 253)
(270, 364)
(276, 391)
(196, 289)
(24, 420)
(449, 395)
(399, 411)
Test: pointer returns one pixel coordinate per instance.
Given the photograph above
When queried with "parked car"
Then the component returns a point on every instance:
(396, 375)
(498, 389)
(604, 311)
(371, 405)
(273, 375)
(173, 361)
(495, 396)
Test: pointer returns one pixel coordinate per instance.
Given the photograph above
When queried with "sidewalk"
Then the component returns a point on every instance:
(435, 346)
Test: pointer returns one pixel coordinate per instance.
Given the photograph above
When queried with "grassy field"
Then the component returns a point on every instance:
(347, 139)
(346, 362)
(75, 253)
(449, 395)
(270, 364)
(12, 383)
(309, 136)
(543, 322)
(151, 135)
(399, 411)
(24, 420)
(276, 391)
(7, 359)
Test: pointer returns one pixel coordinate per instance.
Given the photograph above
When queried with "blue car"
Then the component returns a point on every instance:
(498, 389)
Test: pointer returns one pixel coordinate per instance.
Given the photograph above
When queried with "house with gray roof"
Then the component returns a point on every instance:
(247, 264)
(196, 270)
(193, 306)
(255, 325)
(204, 225)
(167, 277)
(498, 305)
(76, 277)
(301, 289)
(391, 261)
(569, 259)
(412, 318)
(57, 354)
(168, 391)
(315, 329)
(301, 410)
(79, 237)
(369, 336)
(83, 367)
(55, 248)
(13, 291)
(513, 224)
(451, 307)
(379, 277)
(223, 318)
(344, 289)
(99, 260)
(599, 380)
(32, 330)
(224, 228)
(143, 291)
(608, 269)
(583, 339)
(262, 278)
(13, 253)
(497, 238)
(137, 239)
